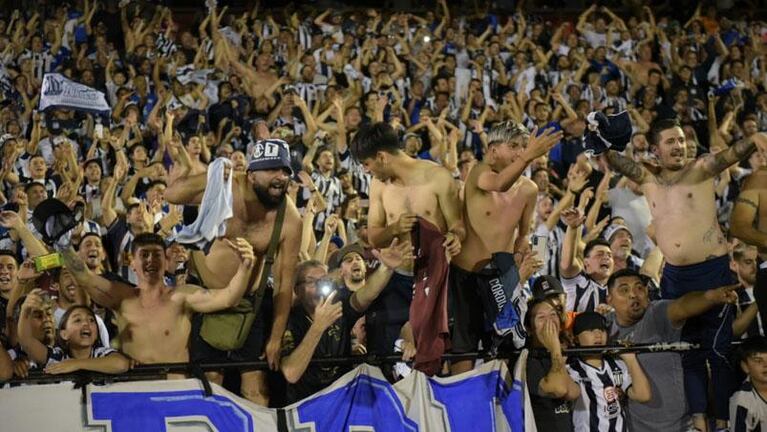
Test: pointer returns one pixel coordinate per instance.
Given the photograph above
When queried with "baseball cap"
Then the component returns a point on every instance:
(270, 154)
(339, 256)
(586, 321)
(611, 230)
(546, 286)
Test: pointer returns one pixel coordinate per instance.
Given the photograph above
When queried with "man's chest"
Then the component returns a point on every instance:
(421, 200)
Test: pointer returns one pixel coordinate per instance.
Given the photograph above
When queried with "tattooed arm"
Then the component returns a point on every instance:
(627, 167)
(104, 292)
(742, 220)
(714, 163)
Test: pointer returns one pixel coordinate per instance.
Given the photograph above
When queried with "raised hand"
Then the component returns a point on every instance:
(244, 250)
(326, 313)
(538, 146)
(331, 224)
(531, 263)
(396, 254)
(573, 217)
(9, 219)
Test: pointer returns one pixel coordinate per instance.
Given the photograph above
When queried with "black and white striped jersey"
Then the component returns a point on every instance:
(599, 407)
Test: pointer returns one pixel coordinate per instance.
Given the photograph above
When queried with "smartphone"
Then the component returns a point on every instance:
(98, 131)
(541, 247)
(48, 262)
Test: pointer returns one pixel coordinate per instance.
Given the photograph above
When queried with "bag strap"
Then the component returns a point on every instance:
(270, 252)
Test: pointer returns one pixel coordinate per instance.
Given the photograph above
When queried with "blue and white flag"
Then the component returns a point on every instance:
(59, 91)
(485, 399)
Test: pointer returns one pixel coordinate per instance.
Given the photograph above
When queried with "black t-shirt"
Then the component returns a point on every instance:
(335, 342)
(550, 414)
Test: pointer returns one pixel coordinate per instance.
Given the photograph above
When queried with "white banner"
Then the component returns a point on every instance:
(481, 400)
(59, 91)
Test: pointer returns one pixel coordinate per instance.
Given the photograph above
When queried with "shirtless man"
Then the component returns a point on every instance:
(257, 196)
(403, 189)
(749, 216)
(154, 320)
(494, 192)
(681, 198)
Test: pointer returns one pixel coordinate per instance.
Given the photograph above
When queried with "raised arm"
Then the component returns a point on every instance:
(32, 244)
(627, 167)
(713, 164)
(103, 291)
(571, 265)
(34, 348)
(200, 300)
(490, 181)
(392, 257)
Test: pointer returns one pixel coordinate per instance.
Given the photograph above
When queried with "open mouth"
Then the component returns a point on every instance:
(86, 333)
(5, 279)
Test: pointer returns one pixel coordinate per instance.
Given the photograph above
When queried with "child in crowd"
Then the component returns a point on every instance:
(748, 405)
(603, 379)
(77, 348)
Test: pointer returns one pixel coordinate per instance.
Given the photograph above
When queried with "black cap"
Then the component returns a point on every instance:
(588, 321)
(546, 286)
(52, 219)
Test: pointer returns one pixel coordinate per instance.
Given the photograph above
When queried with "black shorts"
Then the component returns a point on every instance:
(388, 313)
(201, 352)
(465, 311)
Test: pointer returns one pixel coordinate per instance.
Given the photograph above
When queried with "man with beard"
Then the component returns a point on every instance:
(638, 320)
(256, 197)
(403, 190)
(494, 192)
(155, 320)
(682, 203)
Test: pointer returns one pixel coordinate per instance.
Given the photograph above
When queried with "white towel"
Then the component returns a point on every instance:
(215, 208)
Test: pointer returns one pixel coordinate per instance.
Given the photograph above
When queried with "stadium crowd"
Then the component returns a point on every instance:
(296, 183)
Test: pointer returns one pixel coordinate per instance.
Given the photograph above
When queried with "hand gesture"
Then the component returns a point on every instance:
(28, 270)
(306, 180)
(531, 263)
(331, 224)
(327, 312)
(725, 294)
(603, 309)
(538, 146)
(573, 217)
(550, 337)
(396, 254)
(33, 302)
(10, 219)
(244, 250)
(405, 223)
(585, 198)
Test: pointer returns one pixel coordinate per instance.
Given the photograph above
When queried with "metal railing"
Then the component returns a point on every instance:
(159, 371)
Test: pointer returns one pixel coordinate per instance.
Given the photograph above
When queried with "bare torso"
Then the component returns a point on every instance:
(491, 220)
(418, 196)
(222, 262)
(685, 219)
(757, 185)
(154, 334)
